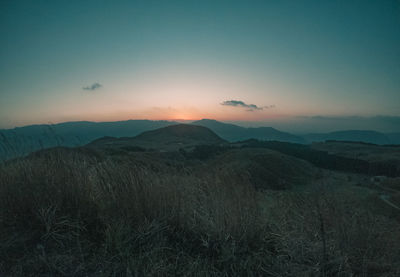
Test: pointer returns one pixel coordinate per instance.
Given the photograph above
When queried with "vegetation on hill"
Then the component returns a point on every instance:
(326, 160)
(168, 138)
(262, 168)
(81, 212)
(362, 151)
(20, 141)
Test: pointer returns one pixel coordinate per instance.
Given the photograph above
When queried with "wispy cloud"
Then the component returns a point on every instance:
(92, 87)
(249, 107)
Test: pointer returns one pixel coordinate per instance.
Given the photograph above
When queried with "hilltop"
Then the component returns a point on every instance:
(168, 138)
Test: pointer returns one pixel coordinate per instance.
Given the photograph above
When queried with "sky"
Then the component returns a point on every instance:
(240, 61)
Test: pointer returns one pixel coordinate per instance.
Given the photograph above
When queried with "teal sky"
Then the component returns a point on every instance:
(183, 59)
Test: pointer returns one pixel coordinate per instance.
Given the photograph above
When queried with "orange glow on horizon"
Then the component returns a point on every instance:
(190, 114)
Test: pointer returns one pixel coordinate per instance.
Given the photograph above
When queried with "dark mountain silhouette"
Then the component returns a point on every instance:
(233, 132)
(350, 135)
(186, 131)
(167, 138)
(86, 130)
(394, 138)
(23, 140)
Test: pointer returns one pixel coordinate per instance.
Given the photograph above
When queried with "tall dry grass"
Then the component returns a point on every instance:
(66, 203)
(72, 213)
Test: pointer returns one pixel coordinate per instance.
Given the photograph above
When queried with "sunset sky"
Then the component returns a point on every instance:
(228, 60)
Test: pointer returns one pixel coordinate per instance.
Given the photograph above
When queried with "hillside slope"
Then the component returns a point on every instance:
(362, 151)
(23, 140)
(262, 168)
(165, 139)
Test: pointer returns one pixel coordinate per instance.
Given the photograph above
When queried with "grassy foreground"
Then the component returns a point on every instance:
(69, 213)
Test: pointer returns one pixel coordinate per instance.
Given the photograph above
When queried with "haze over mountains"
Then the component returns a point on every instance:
(22, 140)
(352, 135)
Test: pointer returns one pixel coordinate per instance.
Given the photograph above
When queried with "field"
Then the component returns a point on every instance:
(205, 210)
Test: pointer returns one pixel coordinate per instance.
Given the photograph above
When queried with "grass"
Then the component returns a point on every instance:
(69, 212)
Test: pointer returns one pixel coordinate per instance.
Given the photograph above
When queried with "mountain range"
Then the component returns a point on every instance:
(23, 140)
(233, 132)
(168, 138)
(366, 136)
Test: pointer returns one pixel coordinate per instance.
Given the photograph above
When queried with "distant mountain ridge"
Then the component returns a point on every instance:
(233, 132)
(353, 135)
(23, 140)
(394, 138)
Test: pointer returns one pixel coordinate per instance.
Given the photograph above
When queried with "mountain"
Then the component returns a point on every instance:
(350, 135)
(233, 132)
(23, 140)
(166, 139)
(394, 138)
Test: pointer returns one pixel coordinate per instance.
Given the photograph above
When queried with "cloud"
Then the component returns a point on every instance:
(249, 107)
(92, 87)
